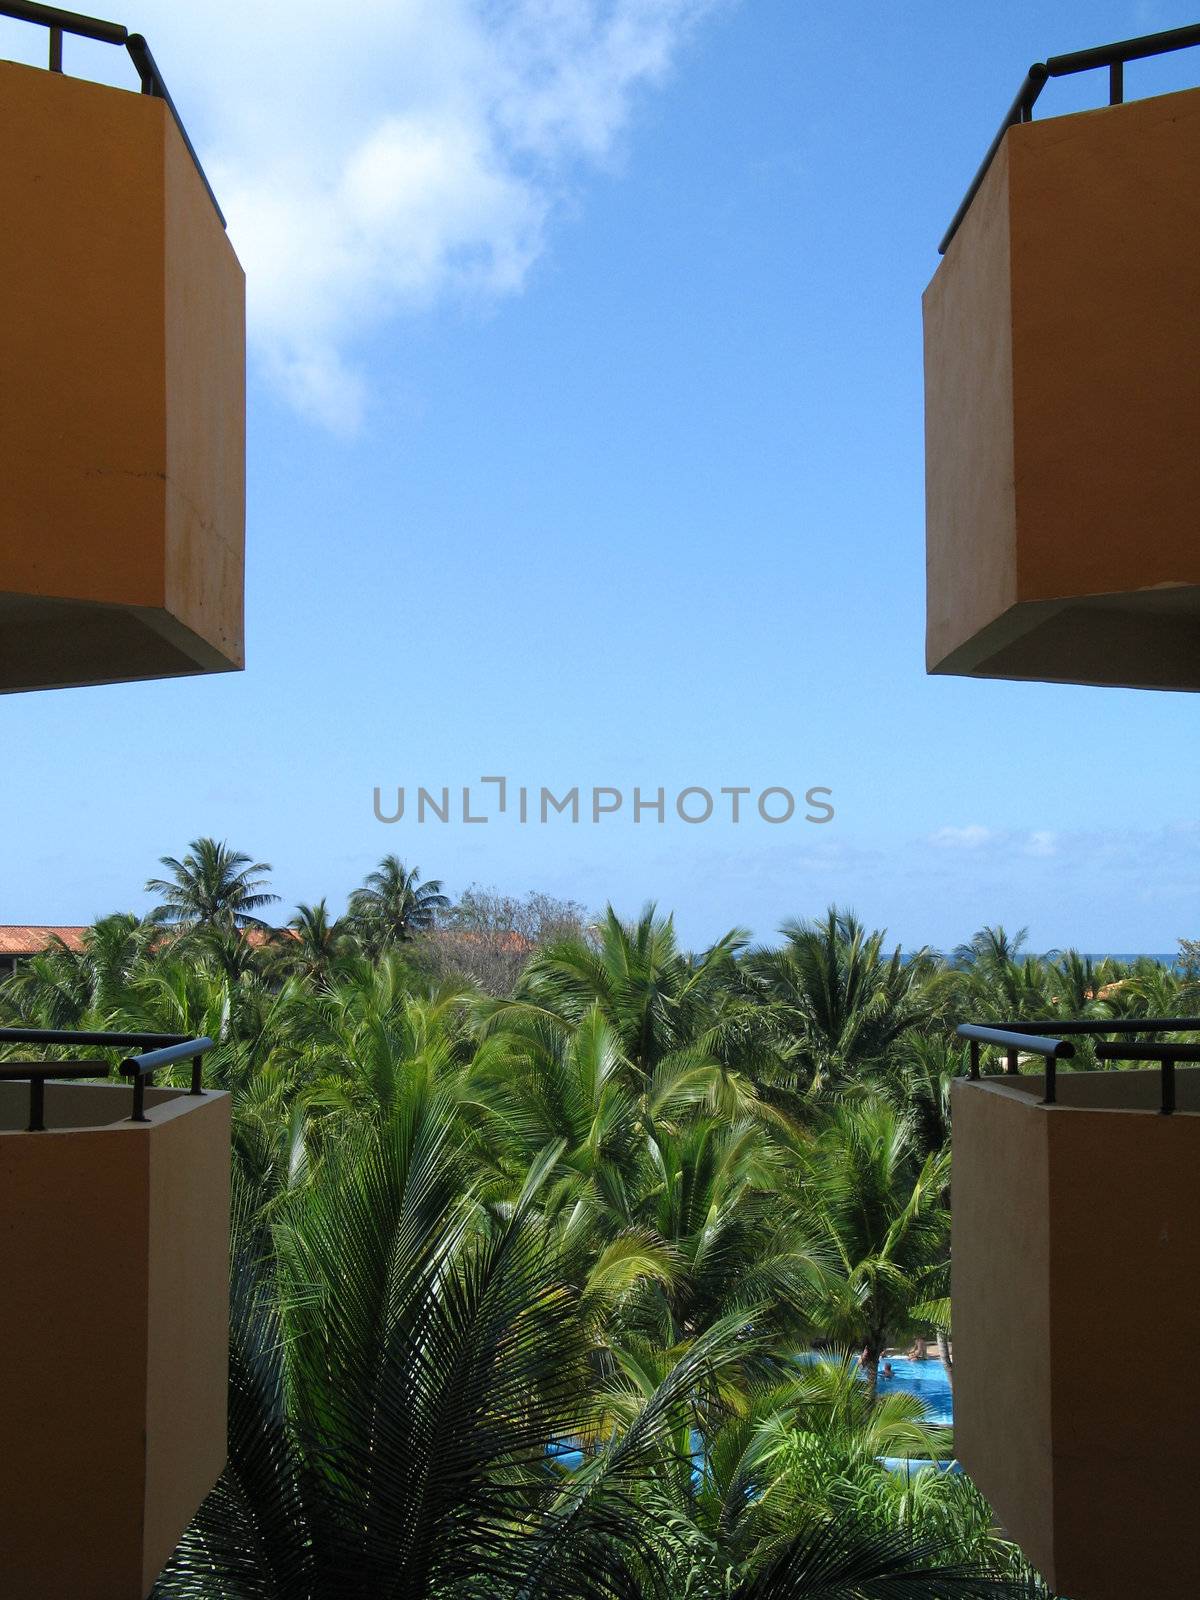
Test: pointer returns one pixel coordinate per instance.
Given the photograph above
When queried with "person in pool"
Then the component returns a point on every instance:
(887, 1370)
(919, 1351)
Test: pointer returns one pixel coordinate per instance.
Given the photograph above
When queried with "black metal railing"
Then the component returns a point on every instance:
(1112, 56)
(1013, 1042)
(157, 1052)
(38, 1073)
(142, 1069)
(1046, 1039)
(60, 22)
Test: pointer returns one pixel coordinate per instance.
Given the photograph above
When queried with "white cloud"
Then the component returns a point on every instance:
(375, 161)
(1042, 842)
(970, 837)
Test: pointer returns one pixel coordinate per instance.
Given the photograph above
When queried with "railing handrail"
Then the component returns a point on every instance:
(65, 21)
(117, 1040)
(142, 1068)
(157, 1051)
(1089, 1025)
(1112, 56)
(1012, 1039)
(1031, 1038)
(151, 79)
(39, 1074)
(1013, 1042)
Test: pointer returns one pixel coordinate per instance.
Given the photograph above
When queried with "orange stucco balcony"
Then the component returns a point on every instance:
(122, 408)
(1075, 1258)
(113, 1321)
(1062, 385)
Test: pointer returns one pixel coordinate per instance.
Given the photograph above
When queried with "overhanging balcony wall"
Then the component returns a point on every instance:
(114, 1328)
(1062, 382)
(122, 405)
(1076, 1255)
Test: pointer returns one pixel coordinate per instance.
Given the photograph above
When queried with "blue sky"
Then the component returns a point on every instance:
(586, 448)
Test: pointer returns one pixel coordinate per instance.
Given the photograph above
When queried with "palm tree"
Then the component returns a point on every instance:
(995, 979)
(317, 943)
(1080, 983)
(840, 1559)
(63, 988)
(399, 1367)
(52, 989)
(393, 904)
(213, 887)
(534, 1081)
(803, 1440)
(403, 1366)
(877, 1212)
(918, 1081)
(991, 947)
(839, 1003)
(521, 1288)
(660, 1002)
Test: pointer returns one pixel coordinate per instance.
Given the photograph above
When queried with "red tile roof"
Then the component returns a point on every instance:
(28, 938)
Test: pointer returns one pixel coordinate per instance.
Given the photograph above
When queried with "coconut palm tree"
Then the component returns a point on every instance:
(400, 1365)
(839, 1003)
(917, 1081)
(535, 1081)
(213, 887)
(404, 1365)
(315, 944)
(52, 989)
(64, 988)
(876, 1212)
(659, 1001)
(803, 1440)
(393, 904)
(996, 980)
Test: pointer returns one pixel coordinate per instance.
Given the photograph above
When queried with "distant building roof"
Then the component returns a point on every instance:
(30, 938)
(507, 940)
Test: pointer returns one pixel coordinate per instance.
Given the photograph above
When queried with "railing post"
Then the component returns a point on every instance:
(139, 1097)
(1116, 83)
(197, 1075)
(1168, 1086)
(37, 1104)
(1050, 1093)
(1012, 1066)
(974, 1060)
(56, 41)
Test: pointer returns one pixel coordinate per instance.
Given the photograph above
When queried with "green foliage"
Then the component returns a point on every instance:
(569, 1275)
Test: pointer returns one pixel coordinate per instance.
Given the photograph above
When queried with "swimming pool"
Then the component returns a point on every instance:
(927, 1380)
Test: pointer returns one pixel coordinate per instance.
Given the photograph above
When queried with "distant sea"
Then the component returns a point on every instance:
(1171, 959)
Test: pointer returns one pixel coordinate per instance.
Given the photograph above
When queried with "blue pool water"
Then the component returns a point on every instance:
(927, 1380)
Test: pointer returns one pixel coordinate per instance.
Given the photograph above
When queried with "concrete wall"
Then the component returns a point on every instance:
(1063, 407)
(1124, 1269)
(113, 1247)
(187, 1344)
(205, 324)
(122, 410)
(1000, 1252)
(1076, 1322)
(969, 427)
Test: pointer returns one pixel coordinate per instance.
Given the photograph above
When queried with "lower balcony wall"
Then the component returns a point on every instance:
(1000, 1249)
(113, 1321)
(1077, 1323)
(1125, 1338)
